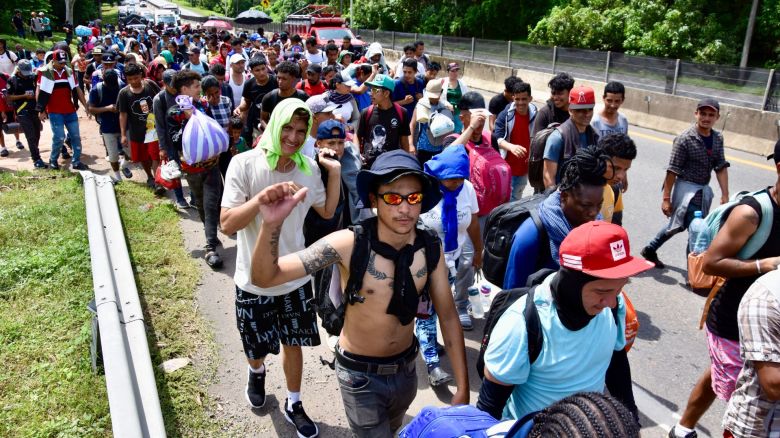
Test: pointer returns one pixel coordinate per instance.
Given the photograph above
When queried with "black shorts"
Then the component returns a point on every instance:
(265, 322)
(10, 116)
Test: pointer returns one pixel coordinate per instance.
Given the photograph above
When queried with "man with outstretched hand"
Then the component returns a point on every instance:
(391, 272)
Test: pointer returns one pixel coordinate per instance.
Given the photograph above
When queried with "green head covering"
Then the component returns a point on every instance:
(271, 141)
(168, 56)
(342, 54)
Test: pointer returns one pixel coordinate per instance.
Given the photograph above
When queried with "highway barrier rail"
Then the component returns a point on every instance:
(132, 392)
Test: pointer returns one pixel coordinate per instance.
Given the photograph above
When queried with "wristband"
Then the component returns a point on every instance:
(758, 266)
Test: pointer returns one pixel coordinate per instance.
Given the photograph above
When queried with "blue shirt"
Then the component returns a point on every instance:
(523, 254)
(109, 122)
(363, 100)
(553, 150)
(402, 89)
(569, 362)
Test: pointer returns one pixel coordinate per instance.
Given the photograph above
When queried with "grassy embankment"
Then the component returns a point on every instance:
(47, 387)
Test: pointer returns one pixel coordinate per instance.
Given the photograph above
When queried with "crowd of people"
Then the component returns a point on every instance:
(359, 196)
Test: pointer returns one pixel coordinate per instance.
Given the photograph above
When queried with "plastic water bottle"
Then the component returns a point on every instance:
(484, 293)
(698, 234)
(477, 310)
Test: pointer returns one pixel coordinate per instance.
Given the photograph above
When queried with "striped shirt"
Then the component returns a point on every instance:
(60, 86)
(750, 414)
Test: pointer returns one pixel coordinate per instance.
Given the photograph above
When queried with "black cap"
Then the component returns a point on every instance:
(776, 154)
(392, 165)
(471, 101)
(708, 103)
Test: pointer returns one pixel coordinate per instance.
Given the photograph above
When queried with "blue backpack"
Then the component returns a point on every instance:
(716, 218)
(464, 421)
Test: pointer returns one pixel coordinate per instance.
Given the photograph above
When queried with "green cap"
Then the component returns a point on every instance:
(383, 81)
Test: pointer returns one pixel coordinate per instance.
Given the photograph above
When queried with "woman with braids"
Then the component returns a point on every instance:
(585, 415)
(581, 316)
(577, 200)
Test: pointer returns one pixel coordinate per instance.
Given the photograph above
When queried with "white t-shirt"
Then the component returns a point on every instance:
(467, 206)
(246, 176)
(314, 58)
(237, 89)
(7, 61)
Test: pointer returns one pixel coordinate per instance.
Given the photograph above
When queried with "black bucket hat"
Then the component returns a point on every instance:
(392, 165)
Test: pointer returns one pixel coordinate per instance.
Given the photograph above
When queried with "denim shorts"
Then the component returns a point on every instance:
(376, 404)
(265, 322)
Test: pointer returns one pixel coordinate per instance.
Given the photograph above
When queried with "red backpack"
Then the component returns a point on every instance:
(490, 175)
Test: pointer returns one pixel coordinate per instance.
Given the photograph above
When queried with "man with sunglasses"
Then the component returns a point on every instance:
(385, 290)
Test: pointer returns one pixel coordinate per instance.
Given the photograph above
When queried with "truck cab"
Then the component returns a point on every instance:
(322, 22)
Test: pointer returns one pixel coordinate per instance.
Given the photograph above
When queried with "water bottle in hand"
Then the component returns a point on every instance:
(476, 304)
(698, 234)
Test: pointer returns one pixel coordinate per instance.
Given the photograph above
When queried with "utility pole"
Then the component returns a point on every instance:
(749, 34)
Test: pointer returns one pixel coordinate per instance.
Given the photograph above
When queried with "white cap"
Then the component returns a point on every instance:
(236, 57)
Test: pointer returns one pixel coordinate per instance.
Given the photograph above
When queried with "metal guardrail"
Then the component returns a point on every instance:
(132, 392)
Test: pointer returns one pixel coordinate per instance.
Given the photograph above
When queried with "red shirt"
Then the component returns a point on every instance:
(61, 100)
(309, 89)
(520, 135)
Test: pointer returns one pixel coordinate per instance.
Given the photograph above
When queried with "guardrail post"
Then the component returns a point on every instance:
(373, 35)
(606, 70)
(768, 89)
(473, 43)
(415, 37)
(555, 57)
(509, 53)
(676, 74)
(441, 45)
(392, 44)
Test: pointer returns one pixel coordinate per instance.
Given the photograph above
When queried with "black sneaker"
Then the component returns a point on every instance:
(438, 377)
(127, 172)
(672, 434)
(19, 145)
(3, 152)
(298, 418)
(53, 165)
(650, 255)
(39, 164)
(64, 154)
(255, 389)
(79, 166)
(213, 259)
(159, 190)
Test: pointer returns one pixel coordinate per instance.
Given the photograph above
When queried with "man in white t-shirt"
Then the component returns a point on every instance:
(282, 314)
(313, 54)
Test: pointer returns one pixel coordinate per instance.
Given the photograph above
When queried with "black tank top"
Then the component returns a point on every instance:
(722, 319)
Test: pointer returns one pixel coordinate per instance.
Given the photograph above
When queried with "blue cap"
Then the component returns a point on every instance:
(326, 130)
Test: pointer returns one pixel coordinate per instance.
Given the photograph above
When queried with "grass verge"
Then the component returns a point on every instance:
(47, 387)
(31, 43)
(110, 13)
(202, 11)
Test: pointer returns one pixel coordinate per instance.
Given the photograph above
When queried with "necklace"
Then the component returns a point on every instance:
(287, 167)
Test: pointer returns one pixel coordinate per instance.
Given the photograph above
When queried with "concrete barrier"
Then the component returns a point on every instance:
(744, 129)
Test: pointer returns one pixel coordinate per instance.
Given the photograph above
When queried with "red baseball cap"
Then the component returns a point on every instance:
(582, 97)
(601, 249)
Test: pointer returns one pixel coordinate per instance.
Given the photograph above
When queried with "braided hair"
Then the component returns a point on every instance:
(585, 415)
(586, 167)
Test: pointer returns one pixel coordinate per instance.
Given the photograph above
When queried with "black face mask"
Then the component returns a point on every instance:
(566, 289)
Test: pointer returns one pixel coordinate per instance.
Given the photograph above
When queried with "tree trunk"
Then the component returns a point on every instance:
(69, 11)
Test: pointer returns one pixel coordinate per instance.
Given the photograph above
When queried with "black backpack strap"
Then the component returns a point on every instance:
(533, 327)
(543, 253)
(358, 263)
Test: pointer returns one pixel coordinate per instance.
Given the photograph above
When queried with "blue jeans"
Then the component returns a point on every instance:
(58, 124)
(518, 185)
(665, 234)
(425, 329)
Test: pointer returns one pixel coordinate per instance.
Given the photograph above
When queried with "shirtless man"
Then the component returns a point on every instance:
(378, 379)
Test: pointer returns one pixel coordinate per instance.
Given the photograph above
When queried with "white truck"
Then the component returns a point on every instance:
(167, 18)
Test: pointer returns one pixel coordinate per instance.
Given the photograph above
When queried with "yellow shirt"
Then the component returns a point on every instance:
(610, 206)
